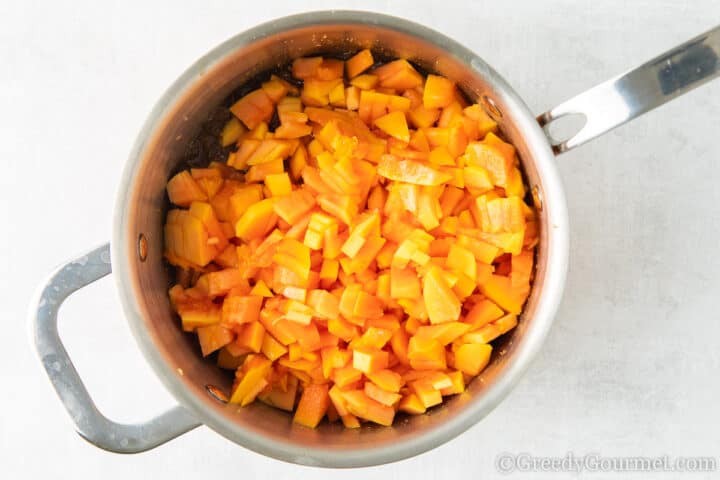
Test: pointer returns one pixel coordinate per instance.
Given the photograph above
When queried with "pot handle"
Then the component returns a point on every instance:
(633, 93)
(92, 425)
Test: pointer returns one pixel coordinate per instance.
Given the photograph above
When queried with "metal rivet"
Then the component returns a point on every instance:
(491, 107)
(142, 247)
(537, 198)
(216, 393)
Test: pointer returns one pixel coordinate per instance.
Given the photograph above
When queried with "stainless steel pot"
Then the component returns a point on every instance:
(142, 280)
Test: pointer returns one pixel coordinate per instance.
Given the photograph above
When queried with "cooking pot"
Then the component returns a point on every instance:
(136, 251)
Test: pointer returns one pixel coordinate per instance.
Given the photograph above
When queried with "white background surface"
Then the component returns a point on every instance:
(631, 365)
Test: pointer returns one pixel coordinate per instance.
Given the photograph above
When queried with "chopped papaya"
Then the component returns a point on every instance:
(363, 243)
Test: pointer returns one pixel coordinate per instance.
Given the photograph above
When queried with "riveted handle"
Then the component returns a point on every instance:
(89, 422)
(633, 93)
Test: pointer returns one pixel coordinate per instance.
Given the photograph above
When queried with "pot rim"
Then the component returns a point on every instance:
(553, 281)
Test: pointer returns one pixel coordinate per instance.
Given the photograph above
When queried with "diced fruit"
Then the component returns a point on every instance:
(361, 245)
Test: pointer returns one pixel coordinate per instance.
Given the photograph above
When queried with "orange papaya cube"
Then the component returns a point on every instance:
(441, 156)
(210, 180)
(272, 348)
(367, 306)
(343, 207)
(282, 399)
(426, 353)
(441, 303)
(337, 96)
(461, 260)
(399, 75)
(231, 132)
(399, 345)
(332, 358)
(492, 159)
(294, 256)
(482, 313)
(213, 337)
(411, 403)
(292, 207)
(499, 289)
(324, 304)
(404, 283)
(257, 173)
(251, 336)
(509, 242)
(360, 405)
(364, 258)
(428, 212)
(307, 335)
(183, 190)
(350, 421)
(204, 212)
(257, 221)
(298, 312)
(458, 384)
(241, 309)
(439, 92)
(342, 377)
(367, 224)
(261, 289)
(522, 265)
(222, 281)
(373, 337)
(472, 358)
(348, 299)
(313, 405)
(275, 88)
(477, 178)
(482, 251)
(298, 162)
(269, 150)
(275, 324)
(504, 215)
(383, 287)
(278, 184)
(358, 63)
(338, 401)
(364, 82)
(254, 371)
(316, 92)
(254, 108)
(352, 98)
(419, 141)
(484, 122)
(241, 200)
(369, 360)
(196, 315)
(306, 67)
(381, 396)
(292, 129)
(387, 380)
(329, 272)
(421, 117)
(451, 116)
(289, 104)
(457, 140)
(395, 125)
(445, 333)
(409, 171)
(342, 328)
(195, 247)
(492, 330)
(425, 392)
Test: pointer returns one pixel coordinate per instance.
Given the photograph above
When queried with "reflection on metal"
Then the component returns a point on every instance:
(633, 93)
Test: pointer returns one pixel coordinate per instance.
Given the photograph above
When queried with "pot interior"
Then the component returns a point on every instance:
(163, 148)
